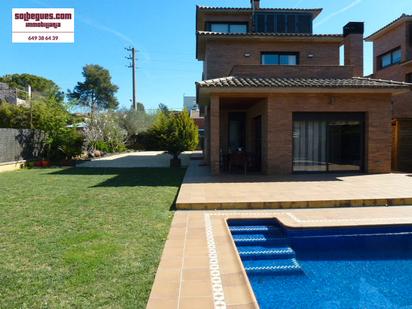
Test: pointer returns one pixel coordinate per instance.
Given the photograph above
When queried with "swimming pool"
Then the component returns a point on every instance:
(350, 267)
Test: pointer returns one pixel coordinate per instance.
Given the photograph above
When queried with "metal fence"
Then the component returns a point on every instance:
(20, 144)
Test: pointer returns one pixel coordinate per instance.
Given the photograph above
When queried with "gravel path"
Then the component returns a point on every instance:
(136, 159)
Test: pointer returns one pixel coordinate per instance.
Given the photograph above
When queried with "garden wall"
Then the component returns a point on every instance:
(20, 144)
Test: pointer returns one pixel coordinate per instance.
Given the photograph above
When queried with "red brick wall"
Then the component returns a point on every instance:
(402, 104)
(277, 112)
(214, 142)
(221, 56)
(378, 126)
(200, 122)
(354, 52)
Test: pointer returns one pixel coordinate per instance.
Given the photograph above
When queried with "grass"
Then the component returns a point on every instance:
(83, 237)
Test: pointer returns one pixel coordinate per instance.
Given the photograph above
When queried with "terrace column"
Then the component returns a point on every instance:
(214, 129)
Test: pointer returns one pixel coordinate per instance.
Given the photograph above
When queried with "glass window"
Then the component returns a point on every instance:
(287, 59)
(321, 143)
(270, 59)
(228, 27)
(396, 56)
(238, 28)
(391, 58)
(386, 60)
(280, 58)
(219, 28)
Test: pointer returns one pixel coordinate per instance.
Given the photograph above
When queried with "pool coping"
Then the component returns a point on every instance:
(236, 288)
(248, 284)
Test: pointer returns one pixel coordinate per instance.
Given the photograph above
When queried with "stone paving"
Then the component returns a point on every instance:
(200, 267)
(200, 190)
(136, 159)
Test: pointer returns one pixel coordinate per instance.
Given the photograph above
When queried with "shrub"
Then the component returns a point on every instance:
(135, 122)
(49, 116)
(146, 140)
(104, 133)
(175, 132)
(68, 145)
(13, 116)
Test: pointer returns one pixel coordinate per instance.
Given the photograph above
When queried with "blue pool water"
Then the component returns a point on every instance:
(366, 267)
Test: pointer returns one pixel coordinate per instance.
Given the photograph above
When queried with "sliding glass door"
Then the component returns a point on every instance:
(328, 142)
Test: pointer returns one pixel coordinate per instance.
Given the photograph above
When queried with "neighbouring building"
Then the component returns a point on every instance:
(392, 59)
(277, 101)
(190, 104)
(10, 95)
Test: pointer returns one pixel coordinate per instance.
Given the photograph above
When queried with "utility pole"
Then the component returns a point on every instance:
(132, 65)
(31, 105)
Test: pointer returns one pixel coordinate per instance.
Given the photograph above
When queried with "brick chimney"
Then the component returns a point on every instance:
(255, 4)
(353, 45)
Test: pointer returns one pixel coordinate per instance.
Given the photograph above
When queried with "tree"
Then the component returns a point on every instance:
(176, 132)
(135, 122)
(139, 107)
(40, 85)
(103, 132)
(163, 108)
(97, 91)
(50, 117)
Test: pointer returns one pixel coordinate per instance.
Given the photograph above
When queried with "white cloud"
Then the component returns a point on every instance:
(104, 28)
(342, 10)
(94, 24)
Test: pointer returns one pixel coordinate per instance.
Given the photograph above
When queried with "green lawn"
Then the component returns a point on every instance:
(83, 237)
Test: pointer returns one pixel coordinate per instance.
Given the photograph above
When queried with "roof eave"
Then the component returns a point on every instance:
(388, 27)
(246, 10)
(338, 38)
(306, 90)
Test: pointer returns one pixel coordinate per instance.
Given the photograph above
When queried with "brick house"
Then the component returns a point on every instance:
(392, 59)
(10, 95)
(190, 104)
(277, 100)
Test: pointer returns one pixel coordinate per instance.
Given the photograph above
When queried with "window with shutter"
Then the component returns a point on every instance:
(270, 23)
(304, 24)
(291, 24)
(281, 23)
(260, 23)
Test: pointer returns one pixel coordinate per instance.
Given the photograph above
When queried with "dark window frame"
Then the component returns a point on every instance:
(208, 24)
(329, 117)
(280, 54)
(391, 53)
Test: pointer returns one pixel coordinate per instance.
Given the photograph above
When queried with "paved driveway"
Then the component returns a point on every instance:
(136, 159)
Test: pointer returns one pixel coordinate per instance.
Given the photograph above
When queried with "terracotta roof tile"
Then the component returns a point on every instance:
(355, 82)
(272, 34)
(215, 8)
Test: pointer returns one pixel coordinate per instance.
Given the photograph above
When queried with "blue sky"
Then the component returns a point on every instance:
(163, 32)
